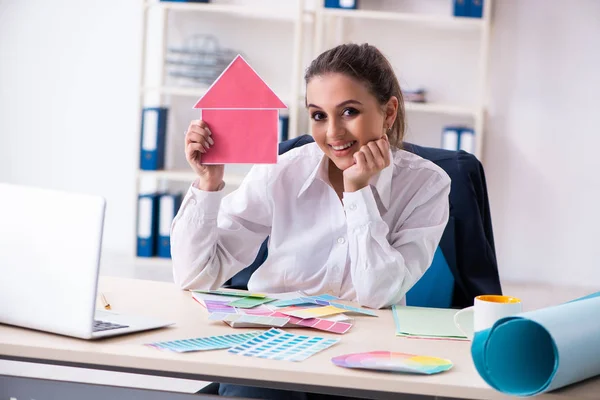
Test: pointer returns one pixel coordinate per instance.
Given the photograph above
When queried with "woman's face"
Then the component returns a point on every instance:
(345, 116)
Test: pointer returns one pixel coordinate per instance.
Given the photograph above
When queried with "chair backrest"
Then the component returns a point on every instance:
(464, 265)
(468, 241)
(436, 286)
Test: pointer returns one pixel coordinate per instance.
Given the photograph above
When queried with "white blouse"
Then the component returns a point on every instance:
(371, 248)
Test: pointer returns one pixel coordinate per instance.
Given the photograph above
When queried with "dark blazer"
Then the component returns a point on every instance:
(467, 242)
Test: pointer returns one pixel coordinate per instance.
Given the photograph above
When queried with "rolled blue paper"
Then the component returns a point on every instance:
(542, 350)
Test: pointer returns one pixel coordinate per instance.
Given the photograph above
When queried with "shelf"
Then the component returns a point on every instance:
(425, 19)
(153, 261)
(230, 9)
(440, 109)
(177, 91)
(189, 176)
(420, 107)
(196, 92)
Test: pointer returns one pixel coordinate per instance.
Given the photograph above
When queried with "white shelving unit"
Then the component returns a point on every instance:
(328, 28)
(155, 32)
(330, 24)
(431, 20)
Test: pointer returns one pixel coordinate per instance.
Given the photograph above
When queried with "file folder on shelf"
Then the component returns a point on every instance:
(458, 138)
(282, 128)
(461, 8)
(147, 225)
(168, 206)
(346, 4)
(475, 8)
(468, 8)
(466, 140)
(450, 137)
(152, 146)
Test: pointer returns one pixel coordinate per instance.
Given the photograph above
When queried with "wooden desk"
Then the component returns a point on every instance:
(316, 374)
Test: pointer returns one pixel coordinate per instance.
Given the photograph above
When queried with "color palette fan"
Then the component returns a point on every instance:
(393, 362)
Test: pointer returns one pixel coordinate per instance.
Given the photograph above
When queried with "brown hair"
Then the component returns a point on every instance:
(368, 65)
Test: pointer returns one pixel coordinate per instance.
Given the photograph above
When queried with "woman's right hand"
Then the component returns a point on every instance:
(197, 141)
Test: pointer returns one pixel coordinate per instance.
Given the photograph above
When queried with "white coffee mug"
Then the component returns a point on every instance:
(488, 309)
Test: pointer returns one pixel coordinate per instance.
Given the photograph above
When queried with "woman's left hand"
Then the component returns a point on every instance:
(368, 161)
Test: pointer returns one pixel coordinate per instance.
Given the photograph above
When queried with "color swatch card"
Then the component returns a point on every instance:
(250, 302)
(393, 362)
(219, 306)
(249, 319)
(242, 113)
(262, 316)
(236, 293)
(305, 300)
(323, 300)
(356, 310)
(204, 343)
(321, 324)
(339, 323)
(312, 312)
(276, 344)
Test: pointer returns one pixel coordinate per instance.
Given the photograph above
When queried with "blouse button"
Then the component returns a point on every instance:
(341, 240)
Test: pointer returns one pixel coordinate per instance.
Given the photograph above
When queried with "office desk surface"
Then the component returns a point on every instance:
(164, 300)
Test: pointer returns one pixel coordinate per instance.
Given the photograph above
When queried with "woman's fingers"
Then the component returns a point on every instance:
(193, 151)
(380, 153)
(369, 156)
(360, 160)
(199, 137)
(196, 129)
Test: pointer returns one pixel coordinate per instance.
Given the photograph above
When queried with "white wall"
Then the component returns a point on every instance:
(69, 74)
(543, 140)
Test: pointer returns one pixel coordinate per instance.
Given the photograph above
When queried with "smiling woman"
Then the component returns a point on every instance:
(370, 214)
(355, 104)
(352, 214)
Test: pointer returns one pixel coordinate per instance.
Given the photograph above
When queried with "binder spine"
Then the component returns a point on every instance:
(147, 225)
(154, 127)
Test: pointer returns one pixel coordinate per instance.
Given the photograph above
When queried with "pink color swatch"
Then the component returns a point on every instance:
(242, 136)
(239, 86)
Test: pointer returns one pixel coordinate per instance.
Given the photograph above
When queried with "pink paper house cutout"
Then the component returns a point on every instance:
(242, 113)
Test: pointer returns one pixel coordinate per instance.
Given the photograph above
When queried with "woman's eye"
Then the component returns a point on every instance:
(318, 116)
(349, 111)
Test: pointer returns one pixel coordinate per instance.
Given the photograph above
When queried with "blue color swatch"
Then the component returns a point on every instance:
(205, 343)
(276, 344)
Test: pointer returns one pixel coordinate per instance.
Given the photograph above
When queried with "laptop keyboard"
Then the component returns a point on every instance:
(104, 326)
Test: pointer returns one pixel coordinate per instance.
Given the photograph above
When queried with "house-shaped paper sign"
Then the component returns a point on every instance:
(242, 113)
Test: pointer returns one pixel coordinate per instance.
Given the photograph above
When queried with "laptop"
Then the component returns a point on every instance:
(50, 244)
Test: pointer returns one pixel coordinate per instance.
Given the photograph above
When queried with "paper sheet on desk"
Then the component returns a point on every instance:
(539, 351)
(426, 322)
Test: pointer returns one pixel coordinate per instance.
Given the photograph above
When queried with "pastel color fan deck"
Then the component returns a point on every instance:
(263, 315)
(393, 362)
